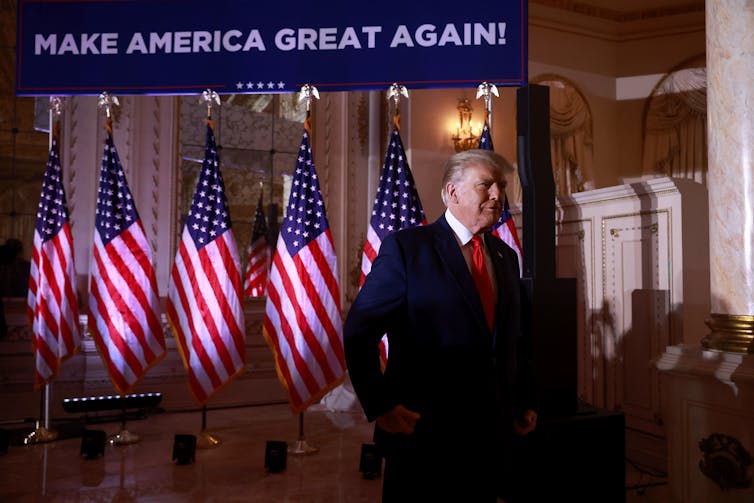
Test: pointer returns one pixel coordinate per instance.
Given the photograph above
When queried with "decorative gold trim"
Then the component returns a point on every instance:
(730, 332)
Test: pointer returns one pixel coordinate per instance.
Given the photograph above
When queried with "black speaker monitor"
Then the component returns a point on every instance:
(276, 456)
(370, 461)
(93, 444)
(184, 449)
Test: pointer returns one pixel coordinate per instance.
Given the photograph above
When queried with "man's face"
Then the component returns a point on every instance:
(476, 200)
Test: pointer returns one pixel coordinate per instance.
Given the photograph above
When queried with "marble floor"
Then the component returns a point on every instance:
(233, 471)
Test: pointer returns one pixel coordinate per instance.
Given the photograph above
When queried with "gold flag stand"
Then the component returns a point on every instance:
(301, 446)
(42, 432)
(205, 439)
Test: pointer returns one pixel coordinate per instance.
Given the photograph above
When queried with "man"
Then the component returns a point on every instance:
(454, 388)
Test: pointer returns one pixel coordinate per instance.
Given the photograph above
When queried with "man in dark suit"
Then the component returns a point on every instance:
(455, 387)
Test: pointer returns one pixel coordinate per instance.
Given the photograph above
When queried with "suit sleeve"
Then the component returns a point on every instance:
(376, 310)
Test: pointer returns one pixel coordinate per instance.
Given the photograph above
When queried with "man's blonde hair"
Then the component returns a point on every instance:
(457, 164)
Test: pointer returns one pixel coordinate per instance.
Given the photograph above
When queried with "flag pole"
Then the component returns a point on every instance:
(486, 90)
(42, 432)
(205, 439)
(124, 437)
(301, 446)
(107, 101)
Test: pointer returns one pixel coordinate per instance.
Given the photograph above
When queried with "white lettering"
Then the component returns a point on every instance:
(87, 43)
(109, 43)
(201, 41)
(306, 39)
(481, 33)
(137, 44)
(426, 36)
(449, 36)
(68, 45)
(229, 43)
(349, 39)
(45, 44)
(402, 36)
(327, 38)
(254, 41)
(371, 31)
(157, 42)
(285, 39)
(182, 41)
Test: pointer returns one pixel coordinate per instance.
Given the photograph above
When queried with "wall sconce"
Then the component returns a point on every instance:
(467, 133)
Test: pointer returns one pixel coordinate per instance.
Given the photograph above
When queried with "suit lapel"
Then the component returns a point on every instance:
(451, 255)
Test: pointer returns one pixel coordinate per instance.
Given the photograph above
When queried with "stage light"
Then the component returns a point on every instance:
(111, 402)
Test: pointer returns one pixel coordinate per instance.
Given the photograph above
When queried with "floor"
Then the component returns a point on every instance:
(232, 471)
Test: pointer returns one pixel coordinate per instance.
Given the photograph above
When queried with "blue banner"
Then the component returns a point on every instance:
(186, 46)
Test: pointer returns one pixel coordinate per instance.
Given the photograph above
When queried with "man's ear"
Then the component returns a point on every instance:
(450, 189)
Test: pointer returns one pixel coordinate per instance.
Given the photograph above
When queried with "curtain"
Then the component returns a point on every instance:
(570, 138)
(675, 127)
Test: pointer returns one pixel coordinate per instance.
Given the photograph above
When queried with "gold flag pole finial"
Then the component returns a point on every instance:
(486, 90)
(107, 101)
(56, 106)
(395, 92)
(308, 92)
(56, 110)
(209, 96)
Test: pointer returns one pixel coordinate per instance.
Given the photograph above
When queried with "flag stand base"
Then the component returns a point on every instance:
(206, 440)
(301, 447)
(40, 435)
(125, 437)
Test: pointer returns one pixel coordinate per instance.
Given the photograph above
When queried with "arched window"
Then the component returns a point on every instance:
(675, 124)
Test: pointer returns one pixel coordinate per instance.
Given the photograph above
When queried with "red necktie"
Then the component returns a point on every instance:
(482, 280)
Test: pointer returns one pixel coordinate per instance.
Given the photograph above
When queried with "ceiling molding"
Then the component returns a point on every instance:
(670, 8)
(613, 25)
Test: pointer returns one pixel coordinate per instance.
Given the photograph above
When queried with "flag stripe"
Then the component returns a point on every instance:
(117, 317)
(123, 300)
(64, 254)
(258, 265)
(303, 341)
(115, 253)
(200, 366)
(110, 346)
(204, 294)
(303, 321)
(206, 342)
(290, 358)
(52, 307)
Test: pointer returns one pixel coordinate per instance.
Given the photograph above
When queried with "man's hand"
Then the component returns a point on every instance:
(526, 424)
(398, 420)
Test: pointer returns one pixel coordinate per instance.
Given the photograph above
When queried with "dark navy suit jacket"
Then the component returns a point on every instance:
(467, 383)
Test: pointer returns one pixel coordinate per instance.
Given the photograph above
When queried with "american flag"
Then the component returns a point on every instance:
(52, 307)
(255, 283)
(505, 228)
(302, 321)
(124, 306)
(396, 206)
(204, 295)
